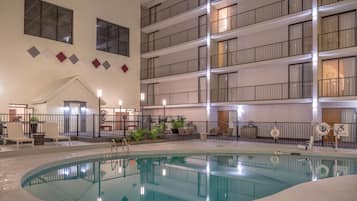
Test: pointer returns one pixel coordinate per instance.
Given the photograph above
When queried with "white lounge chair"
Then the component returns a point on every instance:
(309, 144)
(51, 132)
(15, 133)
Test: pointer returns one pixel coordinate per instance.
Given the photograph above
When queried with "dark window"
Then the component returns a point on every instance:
(112, 38)
(47, 20)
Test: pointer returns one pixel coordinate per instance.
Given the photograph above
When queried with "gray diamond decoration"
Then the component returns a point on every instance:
(33, 51)
(74, 59)
(106, 65)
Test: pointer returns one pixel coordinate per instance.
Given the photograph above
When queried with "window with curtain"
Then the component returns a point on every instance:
(112, 38)
(338, 31)
(226, 52)
(338, 77)
(300, 38)
(300, 80)
(49, 21)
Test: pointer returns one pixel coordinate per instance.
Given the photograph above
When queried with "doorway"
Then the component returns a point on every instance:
(339, 115)
(74, 109)
(223, 119)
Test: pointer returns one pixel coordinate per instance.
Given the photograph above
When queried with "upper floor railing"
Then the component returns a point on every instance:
(188, 66)
(266, 92)
(264, 13)
(338, 39)
(186, 35)
(262, 53)
(177, 98)
(155, 16)
(338, 87)
(327, 2)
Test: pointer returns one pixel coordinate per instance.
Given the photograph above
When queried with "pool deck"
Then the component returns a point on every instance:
(15, 164)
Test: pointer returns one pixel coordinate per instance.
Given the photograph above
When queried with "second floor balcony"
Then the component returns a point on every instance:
(177, 98)
(338, 87)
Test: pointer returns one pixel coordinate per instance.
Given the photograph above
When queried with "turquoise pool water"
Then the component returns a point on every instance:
(228, 177)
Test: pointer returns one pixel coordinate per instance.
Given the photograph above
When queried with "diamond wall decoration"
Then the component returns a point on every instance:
(73, 58)
(61, 56)
(33, 51)
(96, 63)
(124, 68)
(106, 65)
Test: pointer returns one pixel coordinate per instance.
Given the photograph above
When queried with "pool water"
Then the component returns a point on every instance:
(228, 177)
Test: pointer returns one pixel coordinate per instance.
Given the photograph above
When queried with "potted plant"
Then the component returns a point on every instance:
(176, 124)
(34, 124)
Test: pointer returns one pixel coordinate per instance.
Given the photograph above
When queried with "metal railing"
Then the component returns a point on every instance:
(340, 39)
(328, 2)
(263, 53)
(186, 35)
(177, 98)
(181, 67)
(338, 87)
(277, 91)
(78, 125)
(264, 13)
(172, 10)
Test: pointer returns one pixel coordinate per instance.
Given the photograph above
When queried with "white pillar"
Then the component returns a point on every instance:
(208, 71)
(315, 62)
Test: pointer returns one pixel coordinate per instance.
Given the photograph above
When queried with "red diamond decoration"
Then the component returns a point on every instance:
(61, 57)
(124, 68)
(96, 63)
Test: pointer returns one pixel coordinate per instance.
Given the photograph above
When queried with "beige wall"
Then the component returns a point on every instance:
(21, 76)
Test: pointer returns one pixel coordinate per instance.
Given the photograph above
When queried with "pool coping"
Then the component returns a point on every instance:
(221, 150)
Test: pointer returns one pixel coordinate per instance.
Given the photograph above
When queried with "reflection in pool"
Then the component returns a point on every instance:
(182, 178)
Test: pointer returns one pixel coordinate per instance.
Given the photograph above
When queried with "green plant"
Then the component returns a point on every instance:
(156, 131)
(137, 135)
(178, 123)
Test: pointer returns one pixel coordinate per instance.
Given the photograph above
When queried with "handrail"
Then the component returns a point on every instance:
(334, 39)
(169, 10)
(173, 68)
(274, 91)
(338, 87)
(146, 46)
(322, 3)
(260, 53)
(177, 98)
(282, 9)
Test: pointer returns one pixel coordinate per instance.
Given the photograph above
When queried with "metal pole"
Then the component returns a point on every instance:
(142, 117)
(77, 125)
(99, 117)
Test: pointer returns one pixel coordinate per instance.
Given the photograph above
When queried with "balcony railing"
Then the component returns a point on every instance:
(338, 87)
(263, 53)
(340, 39)
(277, 91)
(173, 10)
(264, 13)
(327, 2)
(187, 35)
(177, 98)
(188, 66)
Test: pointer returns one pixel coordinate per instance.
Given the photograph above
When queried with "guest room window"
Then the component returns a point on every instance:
(49, 21)
(112, 38)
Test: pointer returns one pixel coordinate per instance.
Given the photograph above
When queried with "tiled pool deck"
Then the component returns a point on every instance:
(15, 164)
